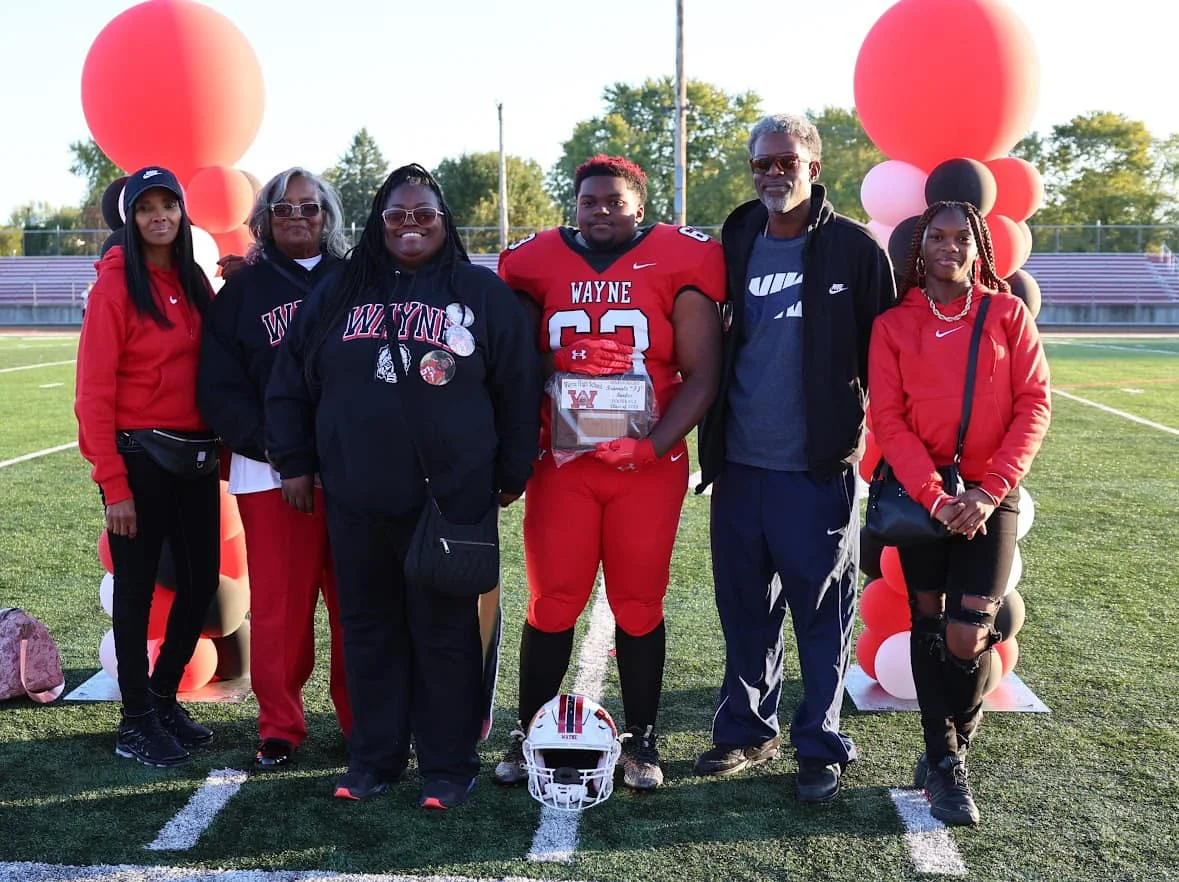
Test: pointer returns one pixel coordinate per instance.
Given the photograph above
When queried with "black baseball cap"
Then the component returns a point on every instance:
(148, 179)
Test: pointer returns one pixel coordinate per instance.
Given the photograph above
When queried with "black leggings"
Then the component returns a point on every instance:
(187, 514)
(950, 689)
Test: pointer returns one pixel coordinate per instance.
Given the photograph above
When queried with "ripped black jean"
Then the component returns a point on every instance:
(941, 574)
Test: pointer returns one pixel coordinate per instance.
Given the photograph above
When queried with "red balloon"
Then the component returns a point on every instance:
(161, 607)
(233, 556)
(1010, 244)
(883, 610)
(104, 552)
(236, 241)
(172, 83)
(1021, 189)
(866, 646)
(890, 570)
(993, 106)
(871, 456)
(1009, 652)
(219, 199)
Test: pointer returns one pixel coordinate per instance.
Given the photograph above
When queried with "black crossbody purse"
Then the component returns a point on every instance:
(894, 517)
(183, 454)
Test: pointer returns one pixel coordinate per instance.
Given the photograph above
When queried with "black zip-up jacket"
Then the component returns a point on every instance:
(478, 433)
(847, 282)
(243, 330)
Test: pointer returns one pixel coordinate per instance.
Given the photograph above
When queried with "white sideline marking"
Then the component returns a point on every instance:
(37, 872)
(556, 837)
(183, 831)
(929, 842)
(58, 449)
(55, 385)
(1121, 413)
(29, 367)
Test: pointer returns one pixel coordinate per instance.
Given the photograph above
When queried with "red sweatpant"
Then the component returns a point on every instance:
(289, 562)
(585, 513)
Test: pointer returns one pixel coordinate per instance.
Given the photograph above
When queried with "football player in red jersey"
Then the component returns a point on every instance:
(610, 298)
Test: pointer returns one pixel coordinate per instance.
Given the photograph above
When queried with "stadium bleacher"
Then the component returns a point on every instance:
(1104, 279)
(45, 281)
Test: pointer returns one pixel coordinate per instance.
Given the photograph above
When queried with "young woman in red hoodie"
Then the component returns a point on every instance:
(917, 376)
(154, 459)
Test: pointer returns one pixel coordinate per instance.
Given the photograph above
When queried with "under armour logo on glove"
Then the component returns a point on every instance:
(580, 353)
(596, 357)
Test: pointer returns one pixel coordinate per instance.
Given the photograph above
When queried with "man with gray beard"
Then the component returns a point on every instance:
(781, 443)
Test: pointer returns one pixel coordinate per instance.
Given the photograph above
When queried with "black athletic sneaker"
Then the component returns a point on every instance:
(274, 754)
(142, 738)
(818, 780)
(921, 772)
(360, 784)
(727, 759)
(948, 789)
(442, 794)
(640, 760)
(511, 769)
(176, 720)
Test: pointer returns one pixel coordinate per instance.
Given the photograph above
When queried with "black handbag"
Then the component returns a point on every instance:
(184, 454)
(894, 517)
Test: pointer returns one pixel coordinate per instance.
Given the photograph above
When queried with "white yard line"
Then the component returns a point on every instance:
(36, 872)
(183, 831)
(58, 449)
(556, 837)
(930, 844)
(1129, 416)
(29, 367)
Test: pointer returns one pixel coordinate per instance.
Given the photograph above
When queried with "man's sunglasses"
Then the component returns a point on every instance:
(782, 161)
(295, 209)
(397, 217)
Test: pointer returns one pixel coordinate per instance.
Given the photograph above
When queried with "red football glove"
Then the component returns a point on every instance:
(595, 356)
(626, 454)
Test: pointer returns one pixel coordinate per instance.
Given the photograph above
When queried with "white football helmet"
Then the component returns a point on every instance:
(570, 753)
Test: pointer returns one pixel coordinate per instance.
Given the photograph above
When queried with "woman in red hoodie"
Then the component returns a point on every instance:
(155, 461)
(916, 373)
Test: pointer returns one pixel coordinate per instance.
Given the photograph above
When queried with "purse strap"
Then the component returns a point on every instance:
(971, 365)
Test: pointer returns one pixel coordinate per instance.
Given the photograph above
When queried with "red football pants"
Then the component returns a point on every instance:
(288, 559)
(585, 513)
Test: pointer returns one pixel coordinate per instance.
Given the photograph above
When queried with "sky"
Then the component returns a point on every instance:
(333, 66)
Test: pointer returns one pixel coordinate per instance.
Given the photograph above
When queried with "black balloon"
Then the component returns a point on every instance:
(870, 556)
(110, 203)
(962, 180)
(233, 653)
(1011, 615)
(899, 242)
(115, 238)
(1026, 288)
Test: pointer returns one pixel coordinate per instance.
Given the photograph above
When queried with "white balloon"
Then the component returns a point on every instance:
(106, 655)
(1016, 571)
(106, 593)
(206, 254)
(894, 669)
(881, 231)
(1027, 512)
(893, 191)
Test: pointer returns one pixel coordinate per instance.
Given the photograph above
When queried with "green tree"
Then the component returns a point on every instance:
(357, 177)
(471, 184)
(48, 230)
(848, 155)
(93, 166)
(639, 124)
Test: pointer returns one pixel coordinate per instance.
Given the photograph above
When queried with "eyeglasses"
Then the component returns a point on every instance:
(397, 217)
(295, 209)
(782, 161)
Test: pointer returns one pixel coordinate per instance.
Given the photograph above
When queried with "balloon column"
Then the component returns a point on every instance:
(196, 114)
(951, 145)
(882, 649)
(223, 650)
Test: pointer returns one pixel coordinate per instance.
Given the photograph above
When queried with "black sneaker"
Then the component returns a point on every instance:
(920, 772)
(176, 720)
(640, 760)
(359, 784)
(442, 794)
(142, 738)
(818, 780)
(511, 769)
(273, 755)
(948, 789)
(727, 759)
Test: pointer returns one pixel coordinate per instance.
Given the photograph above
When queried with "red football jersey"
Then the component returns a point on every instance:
(631, 299)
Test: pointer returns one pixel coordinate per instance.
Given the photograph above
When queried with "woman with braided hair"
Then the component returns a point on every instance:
(917, 367)
(408, 351)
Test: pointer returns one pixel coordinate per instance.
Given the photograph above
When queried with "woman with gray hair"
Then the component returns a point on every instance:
(298, 243)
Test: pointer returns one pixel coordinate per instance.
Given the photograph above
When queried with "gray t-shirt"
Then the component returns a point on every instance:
(766, 424)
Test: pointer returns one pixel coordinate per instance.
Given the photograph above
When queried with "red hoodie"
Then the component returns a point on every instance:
(132, 373)
(917, 375)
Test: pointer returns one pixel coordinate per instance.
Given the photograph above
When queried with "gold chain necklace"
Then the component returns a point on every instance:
(950, 318)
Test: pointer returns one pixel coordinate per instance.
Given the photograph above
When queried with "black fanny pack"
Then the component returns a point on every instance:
(184, 454)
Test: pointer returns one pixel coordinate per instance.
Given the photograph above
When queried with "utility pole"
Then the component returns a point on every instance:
(680, 203)
(503, 182)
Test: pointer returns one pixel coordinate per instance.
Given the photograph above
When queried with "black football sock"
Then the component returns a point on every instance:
(544, 659)
(640, 674)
